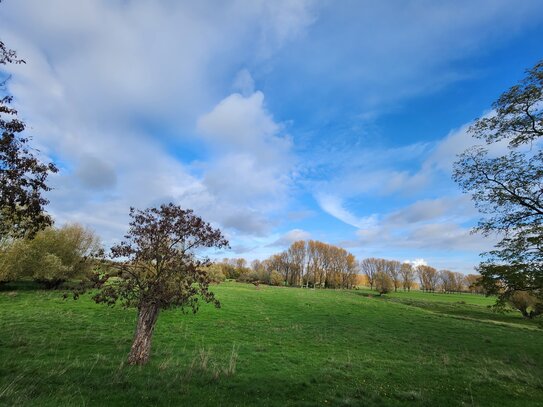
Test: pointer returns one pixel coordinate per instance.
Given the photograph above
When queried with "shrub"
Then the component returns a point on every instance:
(275, 278)
(52, 256)
(215, 273)
(249, 277)
(383, 283)
(529, 305)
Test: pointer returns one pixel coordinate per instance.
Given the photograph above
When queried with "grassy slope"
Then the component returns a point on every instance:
(293, 346)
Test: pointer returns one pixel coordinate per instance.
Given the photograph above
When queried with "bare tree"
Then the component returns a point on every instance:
(428, 277)
(392, 268)
(370, 267)
(297, 255)
(473, 283)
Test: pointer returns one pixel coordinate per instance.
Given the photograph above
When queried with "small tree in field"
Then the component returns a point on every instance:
(156, 268)
(383, 283)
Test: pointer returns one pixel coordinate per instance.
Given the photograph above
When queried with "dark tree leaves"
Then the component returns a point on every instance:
(518, 114)
(157, 261)
(156, 267)
(22, 175)
(508, 189)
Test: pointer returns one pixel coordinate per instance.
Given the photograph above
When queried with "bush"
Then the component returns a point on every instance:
(52, 257)
(276, 278)
(6, 271)
(529, 305)
(383, 283)
(215, 273)
(249, 277)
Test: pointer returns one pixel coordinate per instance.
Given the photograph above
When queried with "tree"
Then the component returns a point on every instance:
(507, 188)
(392, 268)
(314, 263)
(408, 276)
(156, 268)
(22, 175)
(383, 282)
(293, 262)
(53, 256)
(449, 281)
(214, 273)
(370, 267)
(473, 283)
(428, 277)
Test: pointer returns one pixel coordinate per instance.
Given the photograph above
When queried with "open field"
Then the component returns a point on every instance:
(272, 347)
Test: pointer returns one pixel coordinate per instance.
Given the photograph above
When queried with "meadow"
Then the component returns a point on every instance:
(272, 346)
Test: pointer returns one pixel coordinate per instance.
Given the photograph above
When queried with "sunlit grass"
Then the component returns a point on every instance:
(272, 346)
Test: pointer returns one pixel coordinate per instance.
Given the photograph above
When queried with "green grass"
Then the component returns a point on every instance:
(288, 347)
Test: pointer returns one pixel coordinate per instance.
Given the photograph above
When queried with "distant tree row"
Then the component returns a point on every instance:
(304, 264)
(387, 275)
(316, 264)
(320, 265)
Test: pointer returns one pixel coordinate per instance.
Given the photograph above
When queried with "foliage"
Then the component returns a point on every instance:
(507, 188)
(451, 281)
(313, 264)
(407, 273)
(52, 257)
(529, 305)
(249, 277)
(473, 282)
(276, 278)
(383, 283)
(233, 268)
(23, 177)
(156, 262)
(370, 267)
(428, 277)
(215, 274)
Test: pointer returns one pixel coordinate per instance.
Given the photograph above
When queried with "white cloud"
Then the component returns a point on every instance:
(416, 262)
(239, 123)
(442, 224)
(291, 236)
(334, 207)
(252, 161)
(111, 89)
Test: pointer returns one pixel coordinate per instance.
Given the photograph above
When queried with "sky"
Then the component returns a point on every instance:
(274, 120)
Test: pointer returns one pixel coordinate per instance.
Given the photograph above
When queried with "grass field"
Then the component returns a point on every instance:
(272, 347)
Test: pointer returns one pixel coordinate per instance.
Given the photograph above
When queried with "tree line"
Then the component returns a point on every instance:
(310, 263)
(387, 275)
(320, 265)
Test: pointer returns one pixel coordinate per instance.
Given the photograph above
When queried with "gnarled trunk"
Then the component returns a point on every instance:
(141, 347)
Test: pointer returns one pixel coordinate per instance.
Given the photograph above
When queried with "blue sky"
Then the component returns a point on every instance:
(276, 121)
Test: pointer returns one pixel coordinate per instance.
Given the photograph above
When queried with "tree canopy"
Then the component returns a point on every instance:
(508, 188)
(23, 176)
(156, 267)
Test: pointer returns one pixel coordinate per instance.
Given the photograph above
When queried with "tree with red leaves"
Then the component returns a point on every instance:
(156, 268)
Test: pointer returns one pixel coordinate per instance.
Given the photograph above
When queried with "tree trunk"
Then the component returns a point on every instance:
(141, 346)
